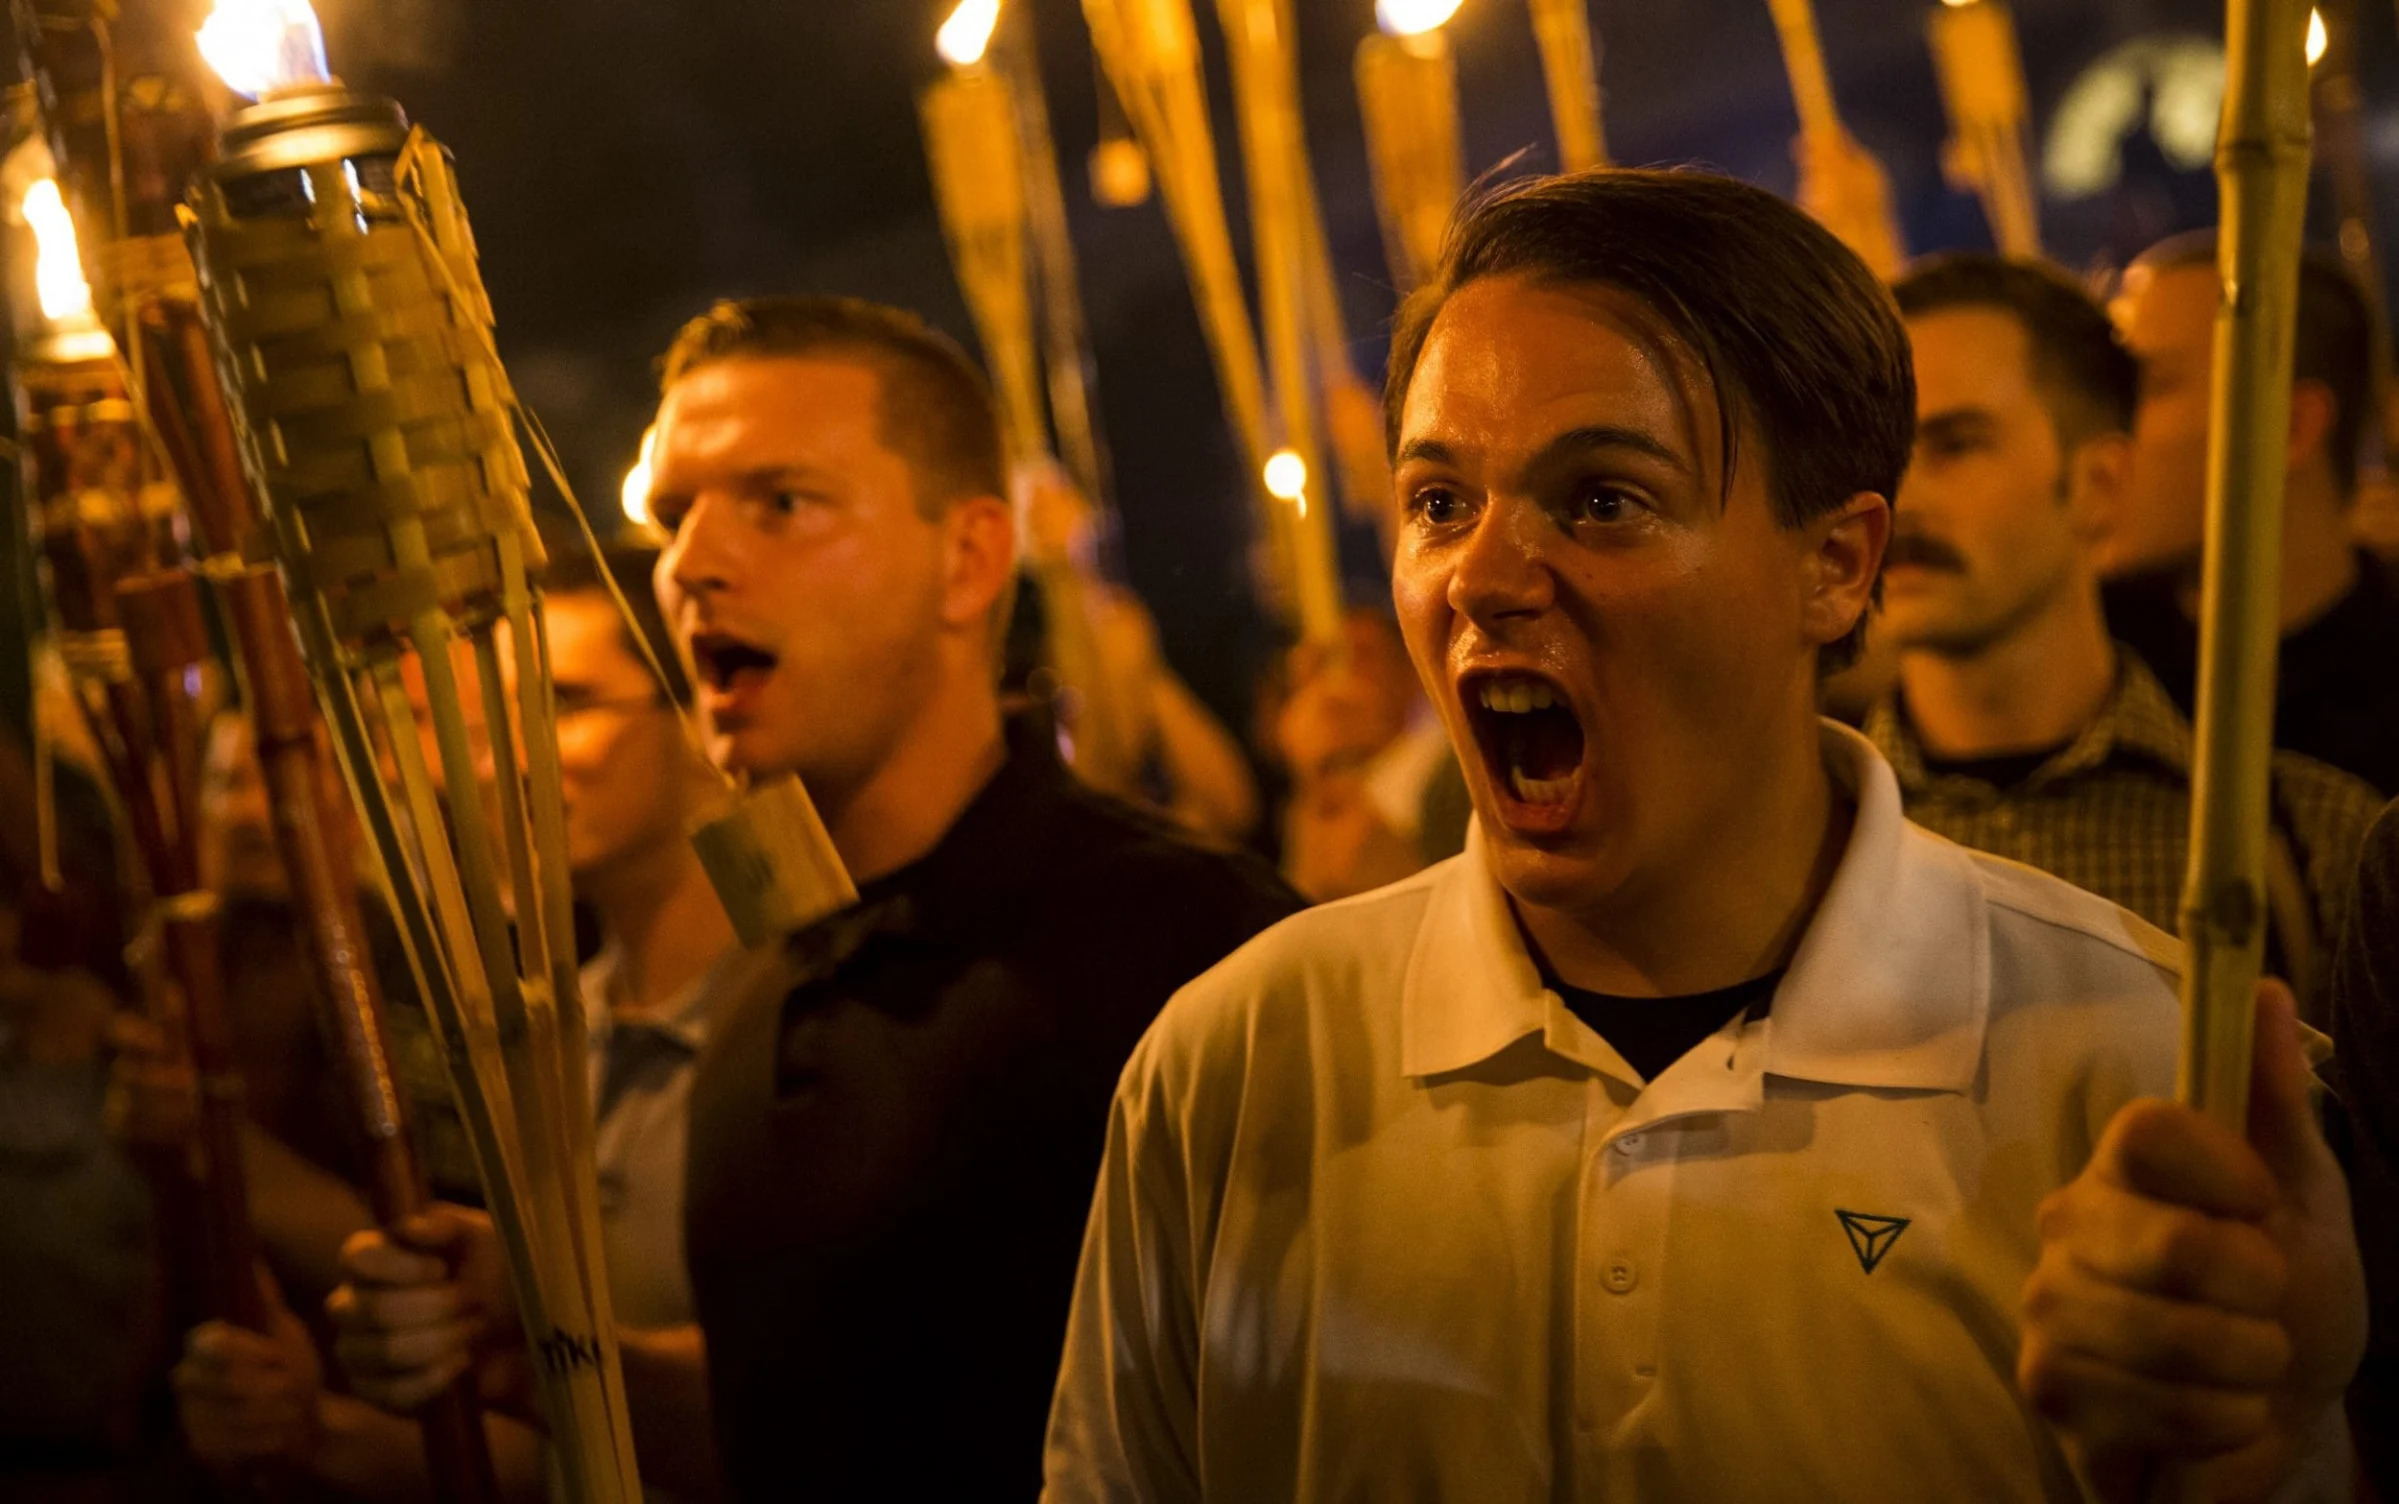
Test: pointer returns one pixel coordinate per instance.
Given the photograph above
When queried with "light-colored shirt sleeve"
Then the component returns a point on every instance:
(1124, 1424)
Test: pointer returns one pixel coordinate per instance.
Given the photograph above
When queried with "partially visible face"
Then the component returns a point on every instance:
(803, 582)
(2168, 317)
(1984, 538)
(620, 753)
(1604, 627)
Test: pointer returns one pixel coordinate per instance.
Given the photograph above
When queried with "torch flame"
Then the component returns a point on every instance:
(964, 36)
(635, 497)
(1413, 18)
(57, 268)
(2317, 39)
(258, 46)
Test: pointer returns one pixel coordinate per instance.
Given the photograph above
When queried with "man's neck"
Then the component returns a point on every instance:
(909, 803)
(1733, 908)
(665, 921)
(2319, 561)
(2032, 690)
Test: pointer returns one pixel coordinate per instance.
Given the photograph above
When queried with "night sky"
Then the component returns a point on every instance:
(626, 161)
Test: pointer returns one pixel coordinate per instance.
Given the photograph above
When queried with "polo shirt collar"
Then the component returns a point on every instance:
(1889, 987)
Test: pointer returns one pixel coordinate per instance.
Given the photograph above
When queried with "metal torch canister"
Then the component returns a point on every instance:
(339, 282)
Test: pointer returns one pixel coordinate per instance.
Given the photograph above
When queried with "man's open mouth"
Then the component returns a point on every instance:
(727, 664)
(1531, 741)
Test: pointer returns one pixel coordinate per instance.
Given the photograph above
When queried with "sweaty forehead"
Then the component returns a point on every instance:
(792, 406)
(1509, 361)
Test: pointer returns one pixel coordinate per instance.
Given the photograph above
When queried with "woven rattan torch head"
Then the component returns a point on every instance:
(339, 281)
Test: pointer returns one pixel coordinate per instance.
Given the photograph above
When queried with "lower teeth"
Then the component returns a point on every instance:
(1540, 790)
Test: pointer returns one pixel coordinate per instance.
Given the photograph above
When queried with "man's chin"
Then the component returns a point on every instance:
(1568, 872)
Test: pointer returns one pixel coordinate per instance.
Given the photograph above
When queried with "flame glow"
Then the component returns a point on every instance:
(1286, 475)
(635, 497)
(261, 45)
(1413, 18)
(2317, 40)
(964, 36)
(57, 268)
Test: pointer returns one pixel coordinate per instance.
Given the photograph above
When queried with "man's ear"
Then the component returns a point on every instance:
(978, 558)
(2314, 412)
(2097, 472)
(1844, 559)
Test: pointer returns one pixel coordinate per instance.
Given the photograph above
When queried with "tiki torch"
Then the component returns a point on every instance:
(1150, 52)
(149, 292)
(1265, 69)
(345, 308)
(1982, 81)
(1569, 65)
(2261, 171)
(975, 145)
(1840, 182)
(1408, 100)
(100, 511)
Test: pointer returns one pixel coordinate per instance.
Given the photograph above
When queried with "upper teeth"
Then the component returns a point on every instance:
(1518, 696)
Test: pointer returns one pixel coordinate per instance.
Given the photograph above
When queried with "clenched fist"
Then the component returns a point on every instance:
(2199, 1306)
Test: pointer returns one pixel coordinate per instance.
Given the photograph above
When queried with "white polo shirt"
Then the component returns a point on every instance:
(1382, 1220)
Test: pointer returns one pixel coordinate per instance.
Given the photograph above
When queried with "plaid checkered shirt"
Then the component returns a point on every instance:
(2111, 812)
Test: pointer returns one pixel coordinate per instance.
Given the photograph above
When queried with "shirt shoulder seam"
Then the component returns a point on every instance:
(2135, 937)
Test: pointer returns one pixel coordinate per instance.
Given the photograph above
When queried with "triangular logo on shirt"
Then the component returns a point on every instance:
(1871, 1237)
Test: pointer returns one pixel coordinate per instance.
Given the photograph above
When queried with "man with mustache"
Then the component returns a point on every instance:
(2336, 689)
(1694, 1134)
(2018, 727)
(895, 1124)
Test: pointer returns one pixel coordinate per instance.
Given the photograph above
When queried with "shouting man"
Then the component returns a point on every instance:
(896, 1125)
(1692, 1135)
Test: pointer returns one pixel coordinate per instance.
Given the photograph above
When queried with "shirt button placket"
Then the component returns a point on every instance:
(1627, 1193)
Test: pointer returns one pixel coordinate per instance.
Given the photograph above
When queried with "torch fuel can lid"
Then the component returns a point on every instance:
(310, 123)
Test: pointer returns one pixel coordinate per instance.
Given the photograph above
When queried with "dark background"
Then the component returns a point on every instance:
(626, 161)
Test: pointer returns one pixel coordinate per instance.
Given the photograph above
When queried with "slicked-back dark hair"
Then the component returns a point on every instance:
(1802, 346)
(2087, 378)
(2333, 344)
(632, 564)
(936, 410)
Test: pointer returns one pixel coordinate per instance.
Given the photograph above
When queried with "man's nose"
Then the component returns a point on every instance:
(1503, 569)
(700, 559)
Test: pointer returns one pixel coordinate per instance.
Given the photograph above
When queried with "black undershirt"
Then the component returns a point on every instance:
(1652, 1033)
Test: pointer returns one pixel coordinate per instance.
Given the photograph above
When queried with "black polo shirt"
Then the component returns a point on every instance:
(896, 1130)
(2336, 689)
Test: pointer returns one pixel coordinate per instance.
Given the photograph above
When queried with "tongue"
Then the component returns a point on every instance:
(1545, 744)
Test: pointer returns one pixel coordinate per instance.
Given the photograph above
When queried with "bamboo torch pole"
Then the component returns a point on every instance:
(1982, 81)
(2262, 169)
(1151, 54)
(1065, 339)
(1840, 182)
(1408, 100)
(1569, 65)
(1259, 37)
(974, 146)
